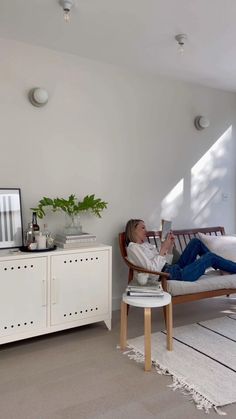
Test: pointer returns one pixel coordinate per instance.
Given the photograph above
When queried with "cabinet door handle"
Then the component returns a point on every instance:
(54, 300)
(44, 294)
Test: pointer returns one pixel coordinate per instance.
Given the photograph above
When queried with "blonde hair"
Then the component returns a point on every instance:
(130, 230)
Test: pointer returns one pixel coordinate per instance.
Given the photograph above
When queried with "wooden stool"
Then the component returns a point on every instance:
(147, 303)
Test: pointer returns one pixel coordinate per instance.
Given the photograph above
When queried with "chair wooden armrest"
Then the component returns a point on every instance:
(146, 271)
(163, 279)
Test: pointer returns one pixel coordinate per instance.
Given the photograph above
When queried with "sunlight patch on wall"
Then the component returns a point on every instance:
(173, 201)
(207, 178)
(198, 198)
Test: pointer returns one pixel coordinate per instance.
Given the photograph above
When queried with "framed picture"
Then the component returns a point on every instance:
(11, 231)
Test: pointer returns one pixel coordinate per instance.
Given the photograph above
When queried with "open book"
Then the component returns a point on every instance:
(166, 227)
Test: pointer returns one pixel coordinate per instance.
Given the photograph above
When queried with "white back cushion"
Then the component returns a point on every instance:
(224, 246)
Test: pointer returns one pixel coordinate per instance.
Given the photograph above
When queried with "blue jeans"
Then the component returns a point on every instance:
(189, 268)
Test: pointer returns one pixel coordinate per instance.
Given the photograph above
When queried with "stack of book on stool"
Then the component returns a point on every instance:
(145, 290)
(72, 241)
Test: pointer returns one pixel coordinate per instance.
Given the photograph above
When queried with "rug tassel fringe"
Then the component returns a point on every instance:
(136, 355)
(201, 402)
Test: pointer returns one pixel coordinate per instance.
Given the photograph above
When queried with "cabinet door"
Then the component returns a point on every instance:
(22, 295)
(79, 286)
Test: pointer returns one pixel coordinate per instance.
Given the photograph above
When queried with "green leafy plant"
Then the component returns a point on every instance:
(71, 206)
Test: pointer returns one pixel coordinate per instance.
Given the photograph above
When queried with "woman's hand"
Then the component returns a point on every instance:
(168, 244)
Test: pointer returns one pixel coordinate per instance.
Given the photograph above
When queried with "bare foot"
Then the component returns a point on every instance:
(224, 272)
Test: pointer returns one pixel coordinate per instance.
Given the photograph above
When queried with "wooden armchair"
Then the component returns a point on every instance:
(195, 289)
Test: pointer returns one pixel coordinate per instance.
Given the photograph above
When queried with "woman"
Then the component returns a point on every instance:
(188, 267)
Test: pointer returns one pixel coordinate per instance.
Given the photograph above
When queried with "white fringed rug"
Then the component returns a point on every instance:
(203, 362)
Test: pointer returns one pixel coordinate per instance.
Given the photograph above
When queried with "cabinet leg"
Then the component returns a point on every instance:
(147, 338)
(123, 325)
(169, 327)
(108, 323)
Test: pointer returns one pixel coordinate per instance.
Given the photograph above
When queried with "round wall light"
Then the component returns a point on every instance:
(201, 122)
(38, 96)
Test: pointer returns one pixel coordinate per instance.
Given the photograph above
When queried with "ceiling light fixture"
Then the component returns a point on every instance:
(67, 5)
(181, 38)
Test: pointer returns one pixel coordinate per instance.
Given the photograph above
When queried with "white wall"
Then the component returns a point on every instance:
(127, 138)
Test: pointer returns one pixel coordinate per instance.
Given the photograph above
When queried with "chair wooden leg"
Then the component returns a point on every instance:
(169, 326)
(147, 338)
(123, 325)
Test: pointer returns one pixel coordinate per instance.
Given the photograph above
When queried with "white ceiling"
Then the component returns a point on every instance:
(138, 34)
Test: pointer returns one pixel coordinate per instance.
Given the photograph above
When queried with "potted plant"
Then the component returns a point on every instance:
(72, 207)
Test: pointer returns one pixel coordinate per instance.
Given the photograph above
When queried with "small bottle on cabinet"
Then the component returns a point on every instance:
(29, 235)
(45, 230)
(41, 241)
(46, 233)
(35, 224)
(49, 239)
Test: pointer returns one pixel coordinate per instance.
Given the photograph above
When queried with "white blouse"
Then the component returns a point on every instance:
(146, 256)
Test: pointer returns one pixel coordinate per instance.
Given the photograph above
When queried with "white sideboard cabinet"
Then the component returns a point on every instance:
(44, 292)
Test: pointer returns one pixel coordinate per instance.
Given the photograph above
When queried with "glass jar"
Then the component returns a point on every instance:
(72, 225)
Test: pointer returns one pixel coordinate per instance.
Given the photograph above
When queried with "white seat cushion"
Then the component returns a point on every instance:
(207, 282)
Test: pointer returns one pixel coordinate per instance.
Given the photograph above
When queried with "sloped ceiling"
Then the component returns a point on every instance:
(136, 34)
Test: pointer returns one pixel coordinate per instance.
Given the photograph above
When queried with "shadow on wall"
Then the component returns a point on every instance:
(194, 197)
